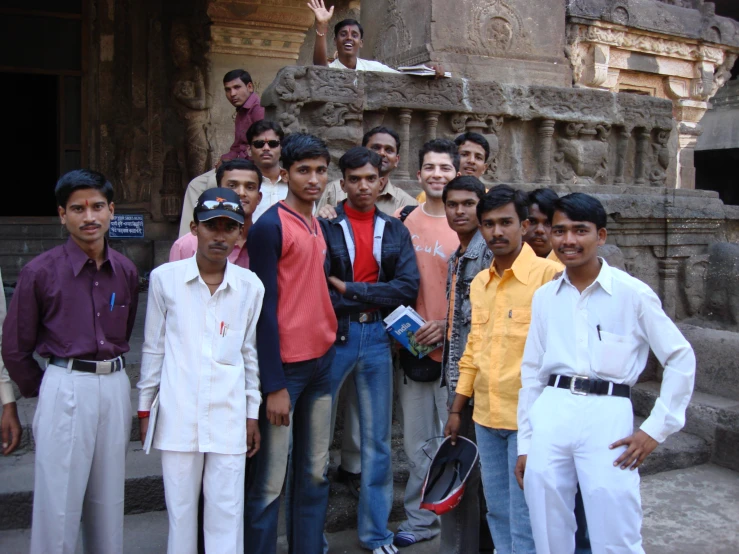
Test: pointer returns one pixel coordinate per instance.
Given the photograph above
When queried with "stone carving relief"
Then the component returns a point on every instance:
(192, 100)
(661, 158)
(395, 40)
(494, 28)
(582, 154)
(171, 199)
(694, 278)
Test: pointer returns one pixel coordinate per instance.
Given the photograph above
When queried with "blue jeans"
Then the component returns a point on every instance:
(508, 514)
(309, 386)
(367, 357)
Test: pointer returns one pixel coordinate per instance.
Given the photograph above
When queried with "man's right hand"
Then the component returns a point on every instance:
(11, 428)
(323, 16)
(278, 407)
(327, 212)
(520, 469)
(452, 426)
(143, 428)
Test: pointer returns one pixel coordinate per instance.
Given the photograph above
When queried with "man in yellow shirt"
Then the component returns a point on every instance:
(491, 364)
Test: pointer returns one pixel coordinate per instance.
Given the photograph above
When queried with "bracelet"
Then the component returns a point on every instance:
(319, 34)
(143, 415)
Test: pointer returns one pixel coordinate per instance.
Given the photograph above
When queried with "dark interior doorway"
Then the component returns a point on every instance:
(31, 151)
(716, 170)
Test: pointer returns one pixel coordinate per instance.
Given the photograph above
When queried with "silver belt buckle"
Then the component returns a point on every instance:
(104, 368)
(364, 317)
(576, 385)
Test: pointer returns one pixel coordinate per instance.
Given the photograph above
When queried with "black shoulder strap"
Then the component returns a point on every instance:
(406, 211)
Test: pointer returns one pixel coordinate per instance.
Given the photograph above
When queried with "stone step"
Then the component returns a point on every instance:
(680, 450)
(34, 246)
(712, 418)
(18, 227)
(717, 359)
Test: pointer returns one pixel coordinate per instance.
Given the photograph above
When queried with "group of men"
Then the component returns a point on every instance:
(273, 302)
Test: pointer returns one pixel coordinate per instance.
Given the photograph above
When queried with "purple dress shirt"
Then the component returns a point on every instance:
(64, 306)
(249, 113)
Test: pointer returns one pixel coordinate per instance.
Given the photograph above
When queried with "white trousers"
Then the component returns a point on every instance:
(197, 186)
(82, 428)
(423, 408)
(222, 479)
(570, 440)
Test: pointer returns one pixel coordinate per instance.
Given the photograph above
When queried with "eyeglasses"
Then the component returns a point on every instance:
(261, 143)
(215, 204)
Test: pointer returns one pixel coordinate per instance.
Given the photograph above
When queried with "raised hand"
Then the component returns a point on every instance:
(323, 16)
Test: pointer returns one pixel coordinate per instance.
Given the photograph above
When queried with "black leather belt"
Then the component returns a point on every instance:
(366, 317)
(585, 385)
(101, 368)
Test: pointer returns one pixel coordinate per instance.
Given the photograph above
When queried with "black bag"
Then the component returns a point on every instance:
(423, 370)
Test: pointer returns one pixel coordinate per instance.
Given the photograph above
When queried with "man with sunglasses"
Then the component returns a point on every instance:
(200, 355)
(265, 142)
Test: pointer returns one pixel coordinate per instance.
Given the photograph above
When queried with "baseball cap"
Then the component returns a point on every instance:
(219, 202)
(447, 476)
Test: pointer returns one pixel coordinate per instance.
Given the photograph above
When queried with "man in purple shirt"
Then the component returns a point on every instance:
(75, 305)
(239, 89)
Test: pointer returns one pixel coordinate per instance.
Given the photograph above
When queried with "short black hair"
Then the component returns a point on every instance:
(464, 182)
(346, 23)
(302, 146)
(261, 126)
(359, 156)
(237, 74)
(545, 199)
(477, 138)
(440, 146)
(384, 130)
(499, 196)
(79, 179)
(579, 206)
(238, 163)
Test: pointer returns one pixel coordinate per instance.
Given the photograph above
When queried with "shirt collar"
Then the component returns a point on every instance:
(252, 101)
(192, 272)
(266, 180)
(78, 258)
(604, 279)
(475, 247)
(521, 267)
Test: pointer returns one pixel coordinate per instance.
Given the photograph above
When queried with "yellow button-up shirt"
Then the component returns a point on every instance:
(501, 314)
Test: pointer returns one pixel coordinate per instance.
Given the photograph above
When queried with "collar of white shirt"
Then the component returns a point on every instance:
(193, 272)
(267, 181)
(604, 279)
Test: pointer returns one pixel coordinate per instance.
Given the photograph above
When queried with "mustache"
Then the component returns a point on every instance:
(91, 226)
(217, 246)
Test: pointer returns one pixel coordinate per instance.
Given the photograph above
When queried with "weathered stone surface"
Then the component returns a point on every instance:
(722, 285)
(717, 359)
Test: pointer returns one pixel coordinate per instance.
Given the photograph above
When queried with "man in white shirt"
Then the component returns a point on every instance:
(10, 425)
(591, 331)
(265, 146)
(200, 354)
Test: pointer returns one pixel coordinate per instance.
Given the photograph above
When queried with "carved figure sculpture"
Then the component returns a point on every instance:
(582, 154)
(192, 101)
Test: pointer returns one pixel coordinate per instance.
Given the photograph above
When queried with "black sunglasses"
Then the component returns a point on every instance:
(215, 204)
(261, 143)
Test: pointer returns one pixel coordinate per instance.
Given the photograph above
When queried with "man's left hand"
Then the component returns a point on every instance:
(639, 446)
(253, 437)
(11, 428)
(338, 284)
(431, 333)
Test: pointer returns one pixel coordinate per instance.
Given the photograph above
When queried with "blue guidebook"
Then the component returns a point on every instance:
(402, 325)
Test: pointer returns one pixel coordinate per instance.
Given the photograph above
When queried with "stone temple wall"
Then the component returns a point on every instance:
(616, 146)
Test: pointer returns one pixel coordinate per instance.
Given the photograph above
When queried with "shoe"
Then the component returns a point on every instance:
(353, 480)
(404, 538)
(385, 549)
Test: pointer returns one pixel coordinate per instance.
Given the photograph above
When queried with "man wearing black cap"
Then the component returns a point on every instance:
(200, 354)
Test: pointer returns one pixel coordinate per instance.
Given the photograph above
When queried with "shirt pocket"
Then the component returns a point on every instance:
(519, 321)
(227, 350)
(116, 321)
(480, 318)
(614, 355)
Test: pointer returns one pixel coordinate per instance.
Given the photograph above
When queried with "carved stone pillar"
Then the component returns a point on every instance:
(432, 122)
(642, 152)
(405, 141)
(668, 270)
(546, 131)
(621, 148)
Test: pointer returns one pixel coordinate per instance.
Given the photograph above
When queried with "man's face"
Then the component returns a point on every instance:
(307, 178)
(348, 41)
(472, 160)
(539, 231)
(387, 148)
(87, 215)
(575, 242)
(502, 230)
(216, 237)
(265, 156)
(237, 92)
(362, 186)
(246, 184)
(437, 170)
(461, 207)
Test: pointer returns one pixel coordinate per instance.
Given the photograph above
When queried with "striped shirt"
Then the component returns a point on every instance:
(298, 321)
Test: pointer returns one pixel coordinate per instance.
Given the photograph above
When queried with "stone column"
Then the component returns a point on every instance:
(432, 122)
(546, 131)
(405, 141)
(621, 148)
(642, 150)
(668, 269)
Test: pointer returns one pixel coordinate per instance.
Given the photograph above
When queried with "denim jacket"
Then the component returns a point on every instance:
(398, 279)
(476, 258)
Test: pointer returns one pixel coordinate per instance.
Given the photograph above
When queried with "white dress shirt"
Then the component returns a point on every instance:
(200, 352)
(6, 387)
(272, 193)
(564, 339)
(365, 65)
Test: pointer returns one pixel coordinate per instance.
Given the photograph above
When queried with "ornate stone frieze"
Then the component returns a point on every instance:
(582, 154)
